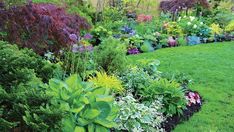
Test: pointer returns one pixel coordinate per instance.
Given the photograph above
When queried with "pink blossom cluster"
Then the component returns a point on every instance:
(193, 98)
(144, 18)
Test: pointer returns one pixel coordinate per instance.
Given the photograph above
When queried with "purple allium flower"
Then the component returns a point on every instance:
(88, 36)
(133, 51)
(73, 37)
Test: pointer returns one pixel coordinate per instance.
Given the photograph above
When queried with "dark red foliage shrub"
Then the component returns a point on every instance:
(42, 27)
(178, 5)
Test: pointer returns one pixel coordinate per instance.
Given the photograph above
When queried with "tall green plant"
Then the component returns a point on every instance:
(111, 55)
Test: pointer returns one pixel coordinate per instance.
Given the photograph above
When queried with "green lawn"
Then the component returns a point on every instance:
(212, 68)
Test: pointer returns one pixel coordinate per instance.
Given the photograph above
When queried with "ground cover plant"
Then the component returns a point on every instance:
(70, 65)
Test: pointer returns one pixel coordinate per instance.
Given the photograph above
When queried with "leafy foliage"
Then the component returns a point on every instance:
(87, 108)
(173, 96)
(111, 83)
(26, 107)
(230, 27)
(111, 55)
(42, 27)
(19, 66)
(135, 116)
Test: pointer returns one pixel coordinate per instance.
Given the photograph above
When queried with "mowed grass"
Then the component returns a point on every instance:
(211, 67)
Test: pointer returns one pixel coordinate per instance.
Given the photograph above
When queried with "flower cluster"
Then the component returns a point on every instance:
(83, 48)
(133, 50)
(128, 30)
(144, 18)
(193, 98)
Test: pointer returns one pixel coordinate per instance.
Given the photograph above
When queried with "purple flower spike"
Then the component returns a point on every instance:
(88, 36)
(73, 37)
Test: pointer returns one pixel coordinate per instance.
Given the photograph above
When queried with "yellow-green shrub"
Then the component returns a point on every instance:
(110, 82)
(230, 26)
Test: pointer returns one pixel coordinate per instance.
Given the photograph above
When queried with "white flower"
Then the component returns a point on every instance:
(189, 23)
(195, 26)
(201, 23)
(185, 16)
(192, 18)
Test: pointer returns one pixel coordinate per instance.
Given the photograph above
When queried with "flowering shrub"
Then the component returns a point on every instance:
(191, 25)
(42, 27)
(138, 117)
(193, 98)
(144, 18)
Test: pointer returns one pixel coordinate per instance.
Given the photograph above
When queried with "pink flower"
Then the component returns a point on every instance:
(144, 18)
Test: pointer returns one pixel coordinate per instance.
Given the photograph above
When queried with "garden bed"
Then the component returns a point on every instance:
(172, 122)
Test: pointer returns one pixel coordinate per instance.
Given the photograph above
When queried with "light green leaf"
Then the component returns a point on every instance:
(101, 129)
(91, 128)
(105, 123)
(77, 110)
(74, 82)
(104, 98)
(82, 122)
(103, 107)
(79, 129)
(91, 113)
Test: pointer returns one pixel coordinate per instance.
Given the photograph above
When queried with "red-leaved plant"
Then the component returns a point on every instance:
(41, 27)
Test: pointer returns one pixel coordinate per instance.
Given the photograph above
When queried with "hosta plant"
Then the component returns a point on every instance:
(173, 95)
(87, 108)
(138, 117)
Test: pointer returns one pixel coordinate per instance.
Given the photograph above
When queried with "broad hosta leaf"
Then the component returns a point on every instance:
(84, 100)
(103, 107)
(82, 121)
(68, 124)
(101, 129)
(74, 82)
(91, 113)
(64, 95)
(105, 123)
(104, 98)
(64, 106)
(79, 129)
(91, 128)
(77, 110)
